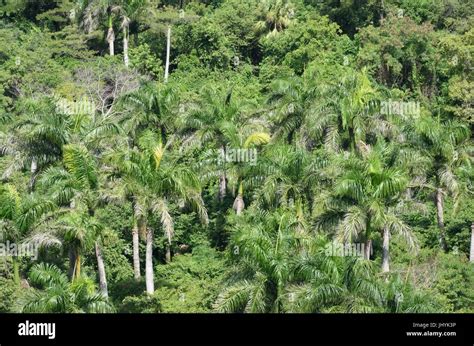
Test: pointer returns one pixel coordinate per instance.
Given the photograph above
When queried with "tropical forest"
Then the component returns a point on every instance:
(236, 156)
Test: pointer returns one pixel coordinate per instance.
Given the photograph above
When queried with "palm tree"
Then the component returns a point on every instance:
(448, 145)
(92, 12)
(291, 99)
(41, 131)
(56, 294)
(262, 245)
(345, 111)
(277, 16)
(325, 282)
(43, 128)
(19, 214)
(151, 105)
(289, 176)
(367, 198)
(207, 123)
(129, 12)
(77, 186)
(312, 111)
(252, 140)
(154, 176)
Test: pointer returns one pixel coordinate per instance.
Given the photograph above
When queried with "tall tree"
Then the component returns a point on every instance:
(76, 185)
(92, 12)
(448, 145)
(276, 16)
(19, 214)
(367, 197)
(155, 177)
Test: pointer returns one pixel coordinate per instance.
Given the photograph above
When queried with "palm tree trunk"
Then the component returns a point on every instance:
(72, 263)
(440, 215)
(223, 178)
(33, 169)
(385, 250)
(368, 249)
(77, 266)
(125, 45)
(168, 252)
(34, 166)
(111, 36)
(471, 255)
(136, 252)
(239, 204)
(150, 286)
(168, 44)
(222, 186)
(101, 267)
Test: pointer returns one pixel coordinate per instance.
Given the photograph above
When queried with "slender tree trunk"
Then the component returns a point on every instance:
(222, 186)
(385, 250)
(440, 215)
(101, 267)
(239, 204)
(125, 45)
(72, 264)
(168, 252)
(368, 249)
(168, 44)
(136, 252)
(33, 169)
(111, 36)
(34, 166)
(77, 267)
(150, 285)
(223, 178)
(471, 255)
(169, 235)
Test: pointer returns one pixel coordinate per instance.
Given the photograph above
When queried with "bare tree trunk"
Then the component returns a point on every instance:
(385, 250)
(471, 255)
(368, 249)
(136, 252)
(440, 215)
(168, 44)
(125, 46)
(101, 267)
(110, 40)
(150, 285)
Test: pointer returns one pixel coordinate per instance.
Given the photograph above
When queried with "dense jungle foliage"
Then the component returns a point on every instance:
(236, 156)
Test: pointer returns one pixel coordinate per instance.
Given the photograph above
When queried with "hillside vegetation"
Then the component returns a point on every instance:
(236, 156)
